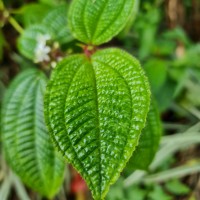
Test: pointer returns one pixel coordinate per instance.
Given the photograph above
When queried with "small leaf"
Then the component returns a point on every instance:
(95, 110)
(29, 16)
(53, 26)
(98, 21)
(26, 142)
(158, 194)
(148, 143)
(57, 23)
(177, 187)
(29, 40)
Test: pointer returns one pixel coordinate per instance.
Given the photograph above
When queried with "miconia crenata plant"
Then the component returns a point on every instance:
(26, 141)
(96, 103)
(97, 21)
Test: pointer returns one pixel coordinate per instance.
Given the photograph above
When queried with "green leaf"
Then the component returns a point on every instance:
(156, 70)
(117, 191)
(2, 44)
(136, 192)
(148, 143)
(54, 25)
(2, 91)
(26, 141)
(52, 2)
(98, 21)
(95, 110)
(29, 16)
(158, 194)
(57, 23)
(177, 188)
(29, 40)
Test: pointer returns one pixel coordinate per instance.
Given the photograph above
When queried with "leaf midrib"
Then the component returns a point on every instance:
(97, 22)
(117, 72)
(65, 97)
(98, 124)
(37, 93)
(109, 25)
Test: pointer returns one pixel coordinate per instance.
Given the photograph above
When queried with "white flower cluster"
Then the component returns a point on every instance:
(42, 50)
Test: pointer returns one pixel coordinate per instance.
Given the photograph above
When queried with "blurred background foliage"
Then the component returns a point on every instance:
(165, 36)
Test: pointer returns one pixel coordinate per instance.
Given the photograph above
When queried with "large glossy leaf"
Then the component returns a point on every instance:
(148, 143)
(95, 110)
(97, 21)
(25, 138)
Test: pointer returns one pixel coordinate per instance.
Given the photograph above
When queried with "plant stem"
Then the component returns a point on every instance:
(170, 126)
(169, 145)
(5, 188)
(134, 178)
(20, 189)
(177, 172)
(15, 24)
(1, 5)
(11, 20)
(192, 109)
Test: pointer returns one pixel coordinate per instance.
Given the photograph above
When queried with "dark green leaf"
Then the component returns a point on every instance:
(26, 142)
(97, 21)
(156, 71)
(148, 143)
(2, 44)
(95, 110)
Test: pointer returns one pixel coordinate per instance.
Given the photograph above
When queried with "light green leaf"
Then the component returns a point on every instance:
(149, 141)
(95, 110)
(158, 194)
(29, 16)
(57, 23)
(177, 187)
(29, 40)
(98, 21)
(52, 2)
(26, 141)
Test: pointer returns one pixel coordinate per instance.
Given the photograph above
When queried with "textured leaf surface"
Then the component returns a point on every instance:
(148, 143)
(97, 21)
(26, 141)
(57, 23)
(95, 110)
(29, 40)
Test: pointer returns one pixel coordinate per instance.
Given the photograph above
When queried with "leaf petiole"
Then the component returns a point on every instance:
(15, 24)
